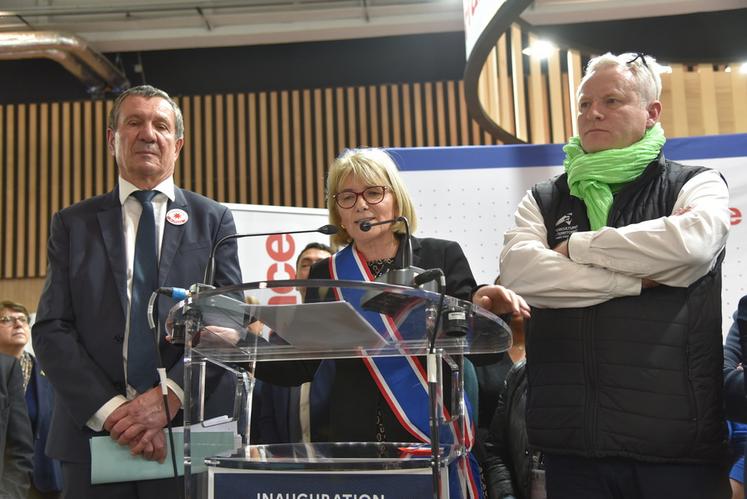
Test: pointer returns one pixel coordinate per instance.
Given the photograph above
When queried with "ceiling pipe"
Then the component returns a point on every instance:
(94, 70)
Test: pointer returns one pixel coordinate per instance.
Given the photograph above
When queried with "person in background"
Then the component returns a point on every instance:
(16, 439)
(512, 469)
(107, 254)
(735, 397)
(15, 333)
(491, 377)
(620, 259)
(364, 185)
(282, 414)
(312, 253)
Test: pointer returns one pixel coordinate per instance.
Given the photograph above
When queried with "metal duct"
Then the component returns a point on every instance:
(96, 72)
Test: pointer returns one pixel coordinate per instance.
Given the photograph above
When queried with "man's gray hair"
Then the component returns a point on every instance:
(147, 91)
(643, 68)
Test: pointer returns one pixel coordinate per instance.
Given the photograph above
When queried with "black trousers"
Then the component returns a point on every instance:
(569, 477)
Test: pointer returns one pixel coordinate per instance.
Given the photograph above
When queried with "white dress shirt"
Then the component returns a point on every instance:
(131, 210)
(675, 250)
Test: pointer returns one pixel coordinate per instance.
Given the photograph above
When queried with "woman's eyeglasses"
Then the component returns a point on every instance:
(372, 195)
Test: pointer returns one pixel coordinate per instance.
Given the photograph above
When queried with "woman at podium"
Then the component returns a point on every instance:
(379, 399)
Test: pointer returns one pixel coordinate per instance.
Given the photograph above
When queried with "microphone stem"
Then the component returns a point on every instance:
(210, 268)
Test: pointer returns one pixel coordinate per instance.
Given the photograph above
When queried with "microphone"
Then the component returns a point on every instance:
(328, 230)
(365, 226)
(404, 275)
(175, 293)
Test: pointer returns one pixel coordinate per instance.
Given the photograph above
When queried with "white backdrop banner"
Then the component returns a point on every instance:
(469, 194)
(477, 15)
(267, 258)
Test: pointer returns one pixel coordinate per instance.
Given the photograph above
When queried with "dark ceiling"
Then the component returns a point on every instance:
(719, 37)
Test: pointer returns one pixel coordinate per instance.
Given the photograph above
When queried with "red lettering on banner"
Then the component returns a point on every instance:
(277, 250)
(282, 300)
(474, 6)
(469, 11)
(736, 216)
(272, 275)
(281, 249)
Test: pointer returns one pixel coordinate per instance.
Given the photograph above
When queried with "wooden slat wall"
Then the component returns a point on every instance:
(261, 148)
(697, 100)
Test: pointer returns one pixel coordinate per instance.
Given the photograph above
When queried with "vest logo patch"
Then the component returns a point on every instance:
(564, 227)
(565, 219)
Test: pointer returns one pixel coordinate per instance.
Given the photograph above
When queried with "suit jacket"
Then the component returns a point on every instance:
(15, 432)
(47, 476)
(80, 325)
(354, 398)
(271, 414)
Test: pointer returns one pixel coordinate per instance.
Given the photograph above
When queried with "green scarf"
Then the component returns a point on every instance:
(594, 177)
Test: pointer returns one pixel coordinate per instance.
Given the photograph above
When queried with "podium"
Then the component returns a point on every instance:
(221, 329)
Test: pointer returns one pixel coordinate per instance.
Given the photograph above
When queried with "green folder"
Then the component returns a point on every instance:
(111, 462)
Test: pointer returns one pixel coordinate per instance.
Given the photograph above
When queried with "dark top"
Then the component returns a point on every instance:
(16, 440)
(491, 381)
(508, 464)
(734, 394)
(47, 475)
(355, 402)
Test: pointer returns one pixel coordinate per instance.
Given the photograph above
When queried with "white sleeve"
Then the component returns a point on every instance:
(547, 279)
(675, 250)
(96, 422)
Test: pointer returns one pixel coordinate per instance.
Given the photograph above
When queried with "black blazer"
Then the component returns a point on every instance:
(16, 441)
(80, 322)
(354, 397)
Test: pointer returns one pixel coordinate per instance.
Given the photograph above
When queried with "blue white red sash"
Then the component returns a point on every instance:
(402, 380)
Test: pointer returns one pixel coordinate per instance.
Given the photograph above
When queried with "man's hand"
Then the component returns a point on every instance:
(648, 283)
(562, 248)
(218, 336)
(151, 450)
(500, 300)
(115, 417)
(139, 422)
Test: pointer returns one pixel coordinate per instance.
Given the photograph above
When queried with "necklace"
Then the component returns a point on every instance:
(378, 267)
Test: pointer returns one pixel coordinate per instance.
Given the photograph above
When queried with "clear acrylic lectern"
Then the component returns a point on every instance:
(235, 327)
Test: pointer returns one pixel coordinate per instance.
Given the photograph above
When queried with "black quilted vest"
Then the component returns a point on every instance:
(637, 377)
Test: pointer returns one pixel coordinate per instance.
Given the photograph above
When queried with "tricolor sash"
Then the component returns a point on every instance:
(403, 381)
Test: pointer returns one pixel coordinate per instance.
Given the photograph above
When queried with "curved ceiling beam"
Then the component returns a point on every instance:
(508, 13)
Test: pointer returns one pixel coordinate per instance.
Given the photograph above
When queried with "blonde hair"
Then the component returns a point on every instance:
(373, 167)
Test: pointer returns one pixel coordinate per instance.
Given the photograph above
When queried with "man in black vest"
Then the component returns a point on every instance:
(620, 258)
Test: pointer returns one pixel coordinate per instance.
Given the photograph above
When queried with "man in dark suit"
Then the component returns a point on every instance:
(15, 333)
(15, 432)
(84, 328)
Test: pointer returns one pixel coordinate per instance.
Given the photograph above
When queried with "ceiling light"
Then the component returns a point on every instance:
(664, 69)
(541, 49)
